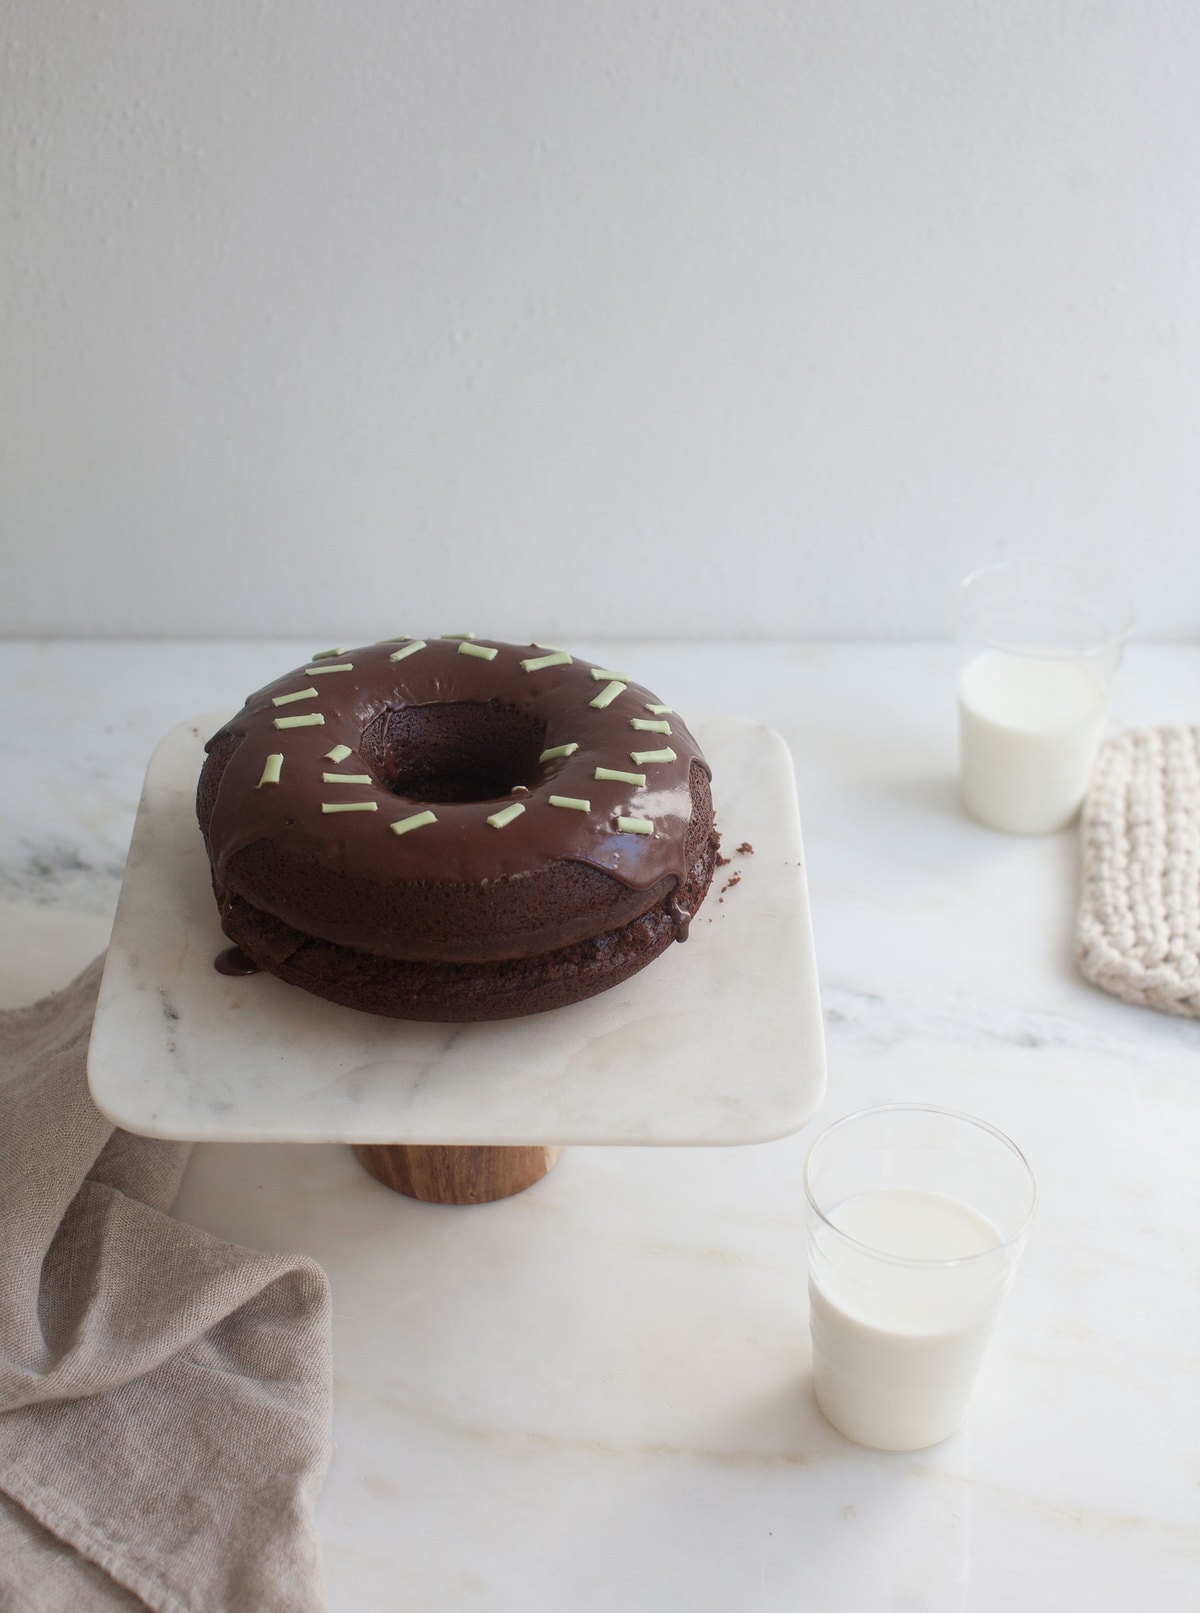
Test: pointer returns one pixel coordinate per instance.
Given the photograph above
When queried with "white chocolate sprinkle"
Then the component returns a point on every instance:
(519, 789)
(603, 677)
(346, 778)
(649, 725)
(558, 750)
(557, 648)
(506, 815)
(342, 666)
(339, 753)
(607, 695)
(635, 826)
(330, 655)
(618, 777)
(349, 806)
(409, 649)
(536, 663)
(458, 635)
(660, 711)
(300, 694)
(480, 651)
(313, 720)
(640, 757)
(270, 772)
(572, 801)
(418, 819)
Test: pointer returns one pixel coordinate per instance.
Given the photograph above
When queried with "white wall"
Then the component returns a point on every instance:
(552, 316)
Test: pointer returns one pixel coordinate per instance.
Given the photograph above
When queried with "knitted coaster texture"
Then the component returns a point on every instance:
(1139, 919)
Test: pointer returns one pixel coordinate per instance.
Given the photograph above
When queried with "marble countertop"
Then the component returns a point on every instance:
(595, 1395)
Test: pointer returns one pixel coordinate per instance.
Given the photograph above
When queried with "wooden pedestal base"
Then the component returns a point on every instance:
(455, 1175)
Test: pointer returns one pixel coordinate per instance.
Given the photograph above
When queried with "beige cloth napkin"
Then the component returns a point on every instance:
(164, 1396)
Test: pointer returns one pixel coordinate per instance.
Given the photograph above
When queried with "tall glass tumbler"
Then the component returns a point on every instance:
(1040, 646)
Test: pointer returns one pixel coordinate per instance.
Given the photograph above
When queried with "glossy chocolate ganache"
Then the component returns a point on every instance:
(486, 818)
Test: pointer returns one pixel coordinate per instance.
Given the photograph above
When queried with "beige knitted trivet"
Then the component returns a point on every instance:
(1139, 916)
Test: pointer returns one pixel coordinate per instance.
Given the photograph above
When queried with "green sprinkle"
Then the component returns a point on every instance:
(480, 651)
(330, 655)
(601, 677)
(339, 753)
(409, 649)
(635, 826)
(538, 662)
(618, 777)
(607, 695)
(640, 757)
(557, 648)
(572, 801)
(506, 815)
(313, 720)
(343, 666)
(556, 751)
(650, 726)
(346, 778)
(349, 806)
(270, 772)
(458, 635)
(403, 825)
(300, 694)
(660, 711)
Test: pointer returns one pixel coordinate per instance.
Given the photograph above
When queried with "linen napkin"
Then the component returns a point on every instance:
(164, 1396)
(1138, 934)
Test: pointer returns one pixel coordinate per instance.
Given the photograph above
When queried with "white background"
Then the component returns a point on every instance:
(676, 319)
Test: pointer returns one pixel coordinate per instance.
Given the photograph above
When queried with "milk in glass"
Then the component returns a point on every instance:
(897, 1347)
(1029, 728)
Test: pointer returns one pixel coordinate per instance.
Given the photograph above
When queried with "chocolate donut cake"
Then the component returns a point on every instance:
(455, 829)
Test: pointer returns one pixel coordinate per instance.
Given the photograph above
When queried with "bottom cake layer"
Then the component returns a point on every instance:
(449, 992)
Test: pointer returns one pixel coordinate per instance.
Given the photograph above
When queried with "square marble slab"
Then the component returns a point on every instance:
(718, 1041)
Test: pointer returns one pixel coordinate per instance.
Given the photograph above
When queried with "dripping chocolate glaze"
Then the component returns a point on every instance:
(461, 847)
(681, 917)
(233, 961)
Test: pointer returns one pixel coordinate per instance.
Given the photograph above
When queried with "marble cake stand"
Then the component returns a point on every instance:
(717, 1042)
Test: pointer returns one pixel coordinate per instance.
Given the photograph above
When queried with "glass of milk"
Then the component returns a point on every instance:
(1040, 647)
(916, 1218)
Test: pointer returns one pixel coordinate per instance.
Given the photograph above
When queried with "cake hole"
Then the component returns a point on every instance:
(469, 750)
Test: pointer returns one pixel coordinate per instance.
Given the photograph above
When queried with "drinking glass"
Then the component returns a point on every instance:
(1040, 646)
(916, 1219)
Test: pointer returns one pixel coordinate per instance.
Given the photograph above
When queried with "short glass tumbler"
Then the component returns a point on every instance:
(916, 1220)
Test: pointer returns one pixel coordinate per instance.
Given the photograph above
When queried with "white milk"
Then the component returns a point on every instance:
(1029, 731)
(896, 1347)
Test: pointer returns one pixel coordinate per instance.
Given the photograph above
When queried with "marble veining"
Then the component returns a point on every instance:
(971, 1022)
(595, 1395)
(53, 872)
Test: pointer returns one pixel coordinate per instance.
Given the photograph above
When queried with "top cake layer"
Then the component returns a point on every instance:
(405, 761)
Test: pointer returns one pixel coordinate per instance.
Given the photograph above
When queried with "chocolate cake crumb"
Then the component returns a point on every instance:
(730, 883)
(746, 849)
(723, 861)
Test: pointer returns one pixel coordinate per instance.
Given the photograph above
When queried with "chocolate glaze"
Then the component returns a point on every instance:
(461, 846)
(233, 961)
(285, 825)
(681, 918)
